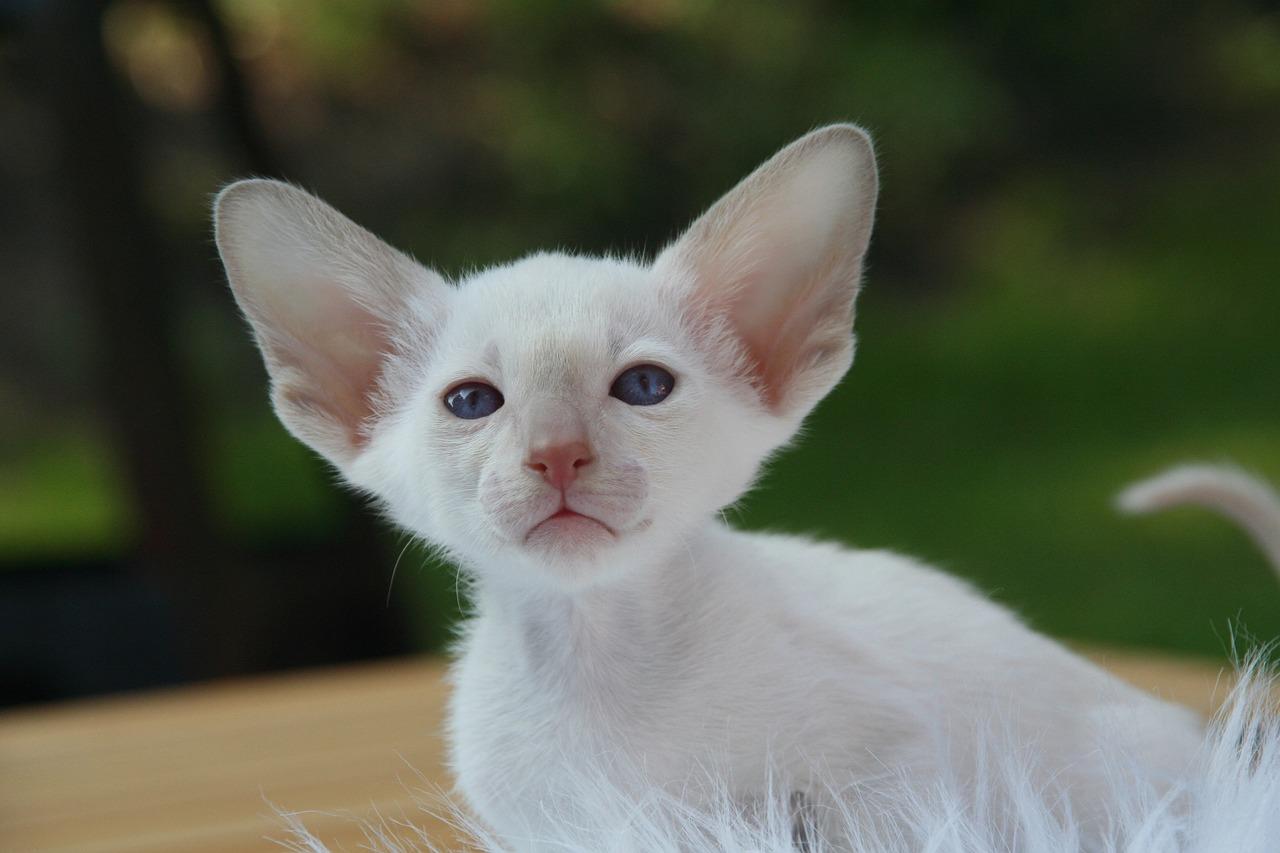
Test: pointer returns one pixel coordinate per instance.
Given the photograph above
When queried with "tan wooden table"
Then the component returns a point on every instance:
(192, 769)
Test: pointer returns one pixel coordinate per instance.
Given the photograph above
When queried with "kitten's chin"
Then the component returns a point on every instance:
(576, 550)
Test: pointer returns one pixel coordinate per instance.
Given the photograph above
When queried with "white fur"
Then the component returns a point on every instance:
(656, 650)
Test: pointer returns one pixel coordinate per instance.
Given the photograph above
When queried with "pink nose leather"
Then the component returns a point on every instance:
(559, 464)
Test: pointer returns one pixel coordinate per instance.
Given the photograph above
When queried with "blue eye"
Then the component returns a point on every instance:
(643, 385)
(472, 400)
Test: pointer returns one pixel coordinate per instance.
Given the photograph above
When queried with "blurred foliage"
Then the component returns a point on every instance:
(1073, 281)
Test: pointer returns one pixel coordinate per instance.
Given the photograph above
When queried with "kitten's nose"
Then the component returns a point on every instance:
(559, 463)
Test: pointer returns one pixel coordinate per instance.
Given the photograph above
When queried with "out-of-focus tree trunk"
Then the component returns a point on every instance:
(140, 390)
(236, 612)
(234, 104)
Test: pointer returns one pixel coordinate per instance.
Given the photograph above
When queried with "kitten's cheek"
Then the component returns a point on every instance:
(511, 506)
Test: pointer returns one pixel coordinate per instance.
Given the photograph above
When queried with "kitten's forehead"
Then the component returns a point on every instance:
(550, 313)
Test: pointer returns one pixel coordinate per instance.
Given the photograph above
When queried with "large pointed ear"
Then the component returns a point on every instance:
(328, 303)
(769, 274)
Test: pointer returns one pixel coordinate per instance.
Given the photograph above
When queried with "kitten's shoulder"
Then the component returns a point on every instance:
(811, 569)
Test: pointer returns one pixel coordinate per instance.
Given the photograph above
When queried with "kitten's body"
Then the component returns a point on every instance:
(620, 630)
(771, 660)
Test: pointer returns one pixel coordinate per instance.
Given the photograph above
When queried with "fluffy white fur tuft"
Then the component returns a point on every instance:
(1228, 800)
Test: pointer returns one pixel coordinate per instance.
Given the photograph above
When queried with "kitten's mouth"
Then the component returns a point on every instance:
(566, 524)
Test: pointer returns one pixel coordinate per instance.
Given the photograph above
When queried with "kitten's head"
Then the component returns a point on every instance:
(561, 418)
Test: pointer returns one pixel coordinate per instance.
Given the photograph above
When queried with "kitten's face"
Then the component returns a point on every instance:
(561, 418)
(552, 334)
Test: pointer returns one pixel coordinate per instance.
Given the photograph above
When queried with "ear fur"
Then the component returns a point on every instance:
(328, 303)
(769, 274)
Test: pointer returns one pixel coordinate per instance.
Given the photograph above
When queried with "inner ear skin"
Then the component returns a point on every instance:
(818, 331)
(335, 374)
(814, 329)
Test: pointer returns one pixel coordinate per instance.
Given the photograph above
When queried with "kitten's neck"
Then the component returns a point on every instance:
(626, 626)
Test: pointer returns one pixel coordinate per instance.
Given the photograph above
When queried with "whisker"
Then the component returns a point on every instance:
(391, 583)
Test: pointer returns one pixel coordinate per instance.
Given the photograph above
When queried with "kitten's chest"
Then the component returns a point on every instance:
(516, 730)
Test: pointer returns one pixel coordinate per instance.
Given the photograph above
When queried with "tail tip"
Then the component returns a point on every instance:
(1134, 500)
(1165, 489)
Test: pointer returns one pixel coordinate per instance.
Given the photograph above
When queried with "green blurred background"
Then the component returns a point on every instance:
(1073, 284)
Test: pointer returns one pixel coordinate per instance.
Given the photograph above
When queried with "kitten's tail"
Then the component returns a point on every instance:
(1245, 499)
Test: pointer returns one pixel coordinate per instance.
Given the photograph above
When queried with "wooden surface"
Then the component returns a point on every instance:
(193, 769)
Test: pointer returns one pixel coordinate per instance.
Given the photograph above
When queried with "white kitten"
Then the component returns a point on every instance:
(568, 428)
